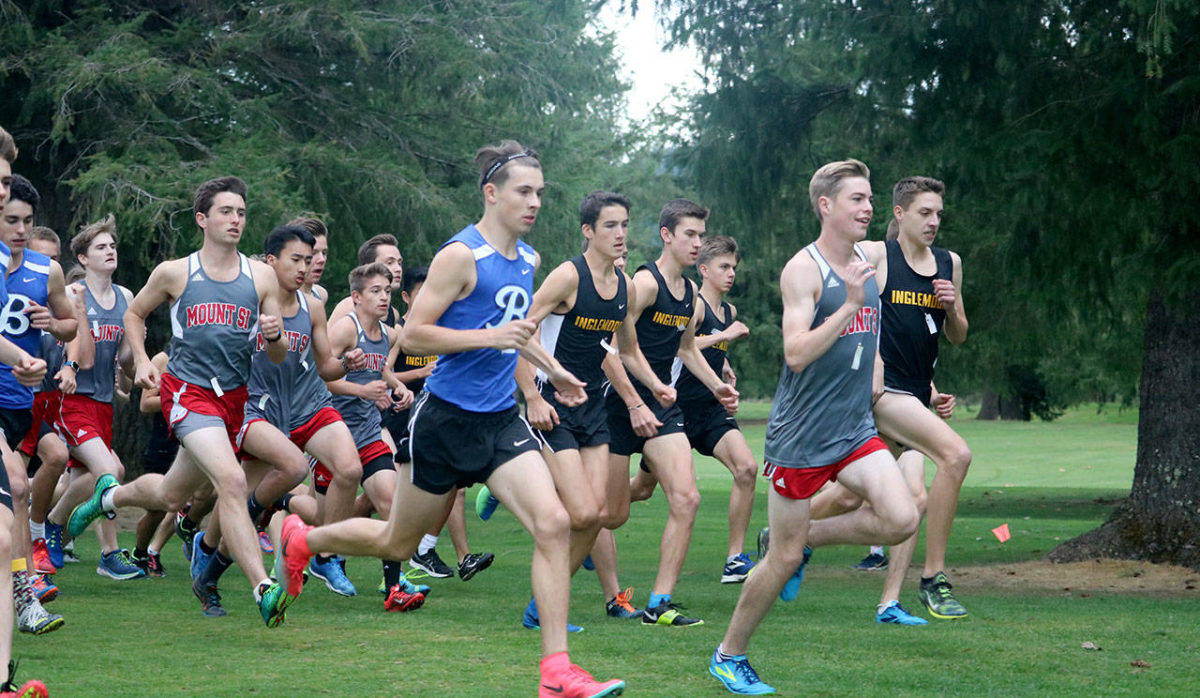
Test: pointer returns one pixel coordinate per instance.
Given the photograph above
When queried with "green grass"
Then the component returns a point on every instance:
(148, 638)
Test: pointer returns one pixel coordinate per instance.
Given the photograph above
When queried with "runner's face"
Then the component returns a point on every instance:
(921, 222)
(389, 256)
(292, 265)
(684, 243)
(849, 212)
(320, 254)
(518, 200)
(375, 298)
(720, 272)
(15, 223)
(619, 262)
(5, 180)
(226, 218)
(609, 234)
(101, 256)
(46, 247)
(409, 296)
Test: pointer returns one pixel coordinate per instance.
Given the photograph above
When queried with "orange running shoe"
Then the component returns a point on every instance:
(41, 557)
(295, 552)
(399, 600)
(621, 606)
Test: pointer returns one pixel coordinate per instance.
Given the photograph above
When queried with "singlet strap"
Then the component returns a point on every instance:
(194, 264)
(813, 252)
(246, 265)
(354, 316)
(303, 302)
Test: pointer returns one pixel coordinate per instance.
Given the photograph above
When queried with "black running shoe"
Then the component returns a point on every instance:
(668, 614)
(431, 564)
(210, 600)
(474, 563)
(151, 565)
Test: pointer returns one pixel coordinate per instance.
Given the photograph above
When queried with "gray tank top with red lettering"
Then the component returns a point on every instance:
(213, 325)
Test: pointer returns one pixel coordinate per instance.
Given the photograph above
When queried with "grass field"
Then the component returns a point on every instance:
(1048, 481)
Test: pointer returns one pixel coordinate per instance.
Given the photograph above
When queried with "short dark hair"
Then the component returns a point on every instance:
(715, 246)
(907, 189)
(412, 277)
(22, 189)
(360, 274)
(366, 251)
(205, 193)
(315, 226)
(8, 147)
(680, 208)
(282, 235)
(83, 239)
(494, 161)
(594, 203)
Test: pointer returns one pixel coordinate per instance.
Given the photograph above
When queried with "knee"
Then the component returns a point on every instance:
(613, 516)
(904, 523)
(744, 474)
(346, 471)
(686, 502)
(958, 461)
(921, 498)
(19, 487)
(551, 525)
(231, 483)
(585, 517)
(120, 471)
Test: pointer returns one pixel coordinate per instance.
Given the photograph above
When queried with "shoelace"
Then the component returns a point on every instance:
(579, 672)
(746, 672)
(127, 558)
(623, 600)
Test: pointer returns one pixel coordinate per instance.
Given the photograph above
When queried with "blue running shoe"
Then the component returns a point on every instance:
(588, 564)
(738, 676)
(333, 574)
(895, 614)
(530, 619)
(199, 558)
(792, 587)
(485, 503)
(737, 568)
(871, 563)
(54, 543)
(407, 586)
(91, 509)
(118, 565)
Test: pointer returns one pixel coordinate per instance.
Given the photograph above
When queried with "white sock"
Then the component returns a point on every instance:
(428, 543)
(37, 531)
(258, 587)
(151, 551)
(106, 500)
(877, 550)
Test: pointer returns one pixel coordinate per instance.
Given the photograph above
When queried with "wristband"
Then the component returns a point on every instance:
(640, 404)
(274, 339)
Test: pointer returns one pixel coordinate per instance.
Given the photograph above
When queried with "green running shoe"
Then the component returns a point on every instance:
(937, 598)
(485, 503)
(84, 514)
(273, 603)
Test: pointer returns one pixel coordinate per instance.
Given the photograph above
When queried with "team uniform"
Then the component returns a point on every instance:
(821, 419)
(400, 418)
(395, 421)
(659, 330)
(579, 340)
(47, 399)
(27, 283)
(705, 420)
(5, 485)
(87, 413)
(466, 423)
(913, 318)
(213, 324)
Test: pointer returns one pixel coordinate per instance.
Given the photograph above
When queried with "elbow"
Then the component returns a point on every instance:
(795, 360)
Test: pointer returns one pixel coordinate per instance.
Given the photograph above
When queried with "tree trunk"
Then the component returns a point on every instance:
(989, 409)
(1160, 521)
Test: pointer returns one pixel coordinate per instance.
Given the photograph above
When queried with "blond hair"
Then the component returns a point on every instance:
(828, 180)
(83, 239)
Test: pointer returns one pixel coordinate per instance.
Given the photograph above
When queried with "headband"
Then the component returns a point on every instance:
(501, 163)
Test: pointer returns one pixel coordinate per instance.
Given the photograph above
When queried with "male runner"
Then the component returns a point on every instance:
(37, 302)
(640, 420)
(155, 527)
(312, 282)
(219, 299)
(466, 429)
(821, 427)
(921, 300)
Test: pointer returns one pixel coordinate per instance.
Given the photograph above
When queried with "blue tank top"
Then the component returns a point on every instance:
(28, 282)
(482, 380)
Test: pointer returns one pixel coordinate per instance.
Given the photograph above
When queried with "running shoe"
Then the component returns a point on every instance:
(199, 558)
(36, 620)
(331, 572)
(485, 503)
(574, 682)
(398, 600)
(295, 552)
(68, 552)
(792, 586)
(895, 614)
(41, 558)
(186, 530)
(30, 689)
(474, 563)
(90, 510)
(531, 620)
(406, 584)
(588, 564)
(738, 676)
(210, 599)
(668, 613)
(119, 565)
(937, 598)
(151, 565)
(43, 589)
(431, 564)
(54, 544)
(622, 606)
(265, 544)
(872, 562)
(737, 568)
(272, 603)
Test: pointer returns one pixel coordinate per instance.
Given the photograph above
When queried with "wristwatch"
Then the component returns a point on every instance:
(73, 365)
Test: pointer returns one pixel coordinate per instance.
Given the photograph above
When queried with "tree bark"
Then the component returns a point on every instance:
(1160, 521)
(989, 408)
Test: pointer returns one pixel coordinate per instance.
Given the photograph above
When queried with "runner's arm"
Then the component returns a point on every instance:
(269, 315)
(82, 347)
(151, 401)
(802, 343)
(64, 321)
(28, 370)
(694, 361)
(956, 316)
(330, 366)
(343, 337)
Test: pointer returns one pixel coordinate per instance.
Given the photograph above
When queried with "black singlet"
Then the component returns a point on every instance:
(661, 325)
(912, 321)
(689, 387)
(578, 338)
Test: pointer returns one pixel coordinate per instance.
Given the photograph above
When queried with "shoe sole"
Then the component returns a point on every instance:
(610, 691)
(414, 602)
(483, 565)
(672, 625)
(940, 616)
(120, 578)
(718, 677)
(47, 597)
(429, 571)
(734, 578)
(44, 629)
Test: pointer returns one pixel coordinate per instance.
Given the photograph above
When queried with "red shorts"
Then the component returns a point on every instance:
(322, 477)
(81, 419)
(179, 398)
(301, 434)
(802, 483)
(46, 405)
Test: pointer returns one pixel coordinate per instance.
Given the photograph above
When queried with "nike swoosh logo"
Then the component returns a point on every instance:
(621, 306)
(553, 689)
(26, 279)
(519, 443)
(524, 272)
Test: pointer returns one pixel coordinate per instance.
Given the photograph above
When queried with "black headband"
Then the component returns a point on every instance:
(501, 163)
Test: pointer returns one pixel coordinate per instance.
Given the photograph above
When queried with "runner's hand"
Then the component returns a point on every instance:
(30, 371)
(354, 360)
(146, 376)
(39, 316)
(66, 380)
(856, 278)
(541, 414)
(643, 421)
(736, 330)
(402, 398)
(728, 397)
(945, 292)
(665, 394)
(270, 327)
(512, 335)
(728, 375)
(568, 390)
(943, 404)
(377, 392)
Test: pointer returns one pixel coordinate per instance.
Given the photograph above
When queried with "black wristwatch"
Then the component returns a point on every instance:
(73, 365)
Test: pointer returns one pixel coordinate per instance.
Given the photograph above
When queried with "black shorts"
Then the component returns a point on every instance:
(452, 447)
(400, 435)
(395, 421)
(578, 427)
(15, 423)
(622, 441)
(378, 464)
(918, 389)
(706, 422)
(160, 452)
(5, 489)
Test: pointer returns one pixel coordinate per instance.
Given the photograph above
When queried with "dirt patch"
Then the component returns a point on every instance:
(1121, 576)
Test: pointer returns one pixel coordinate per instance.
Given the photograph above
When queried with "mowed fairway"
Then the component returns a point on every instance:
(147, 637)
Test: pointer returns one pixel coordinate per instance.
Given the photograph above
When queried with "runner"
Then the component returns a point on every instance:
(466, 429)
(155, 527)
(821, 427)
(312, 282)
(219, 299)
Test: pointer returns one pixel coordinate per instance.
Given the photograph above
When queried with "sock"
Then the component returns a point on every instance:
(37, 531)
(391, 573)
(139, 552)
(323, 559)
(22, 594)
(658, 599)
(722, 657)
(554, 663)
(428, 543)
(260, 588)
(877, 550)
(187, 525)
(283, 502)
(151, 551)
(204, 548)
(216, 567)
(882, 607)
(106, 501)
(925, 581)
(256, 509)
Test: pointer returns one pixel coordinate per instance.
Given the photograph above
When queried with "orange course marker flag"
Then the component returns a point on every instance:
(1001, 533)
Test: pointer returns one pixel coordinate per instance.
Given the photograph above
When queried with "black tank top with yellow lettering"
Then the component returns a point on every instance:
(580, 338)
(689, 387)
(912, 320)
(661, 325)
